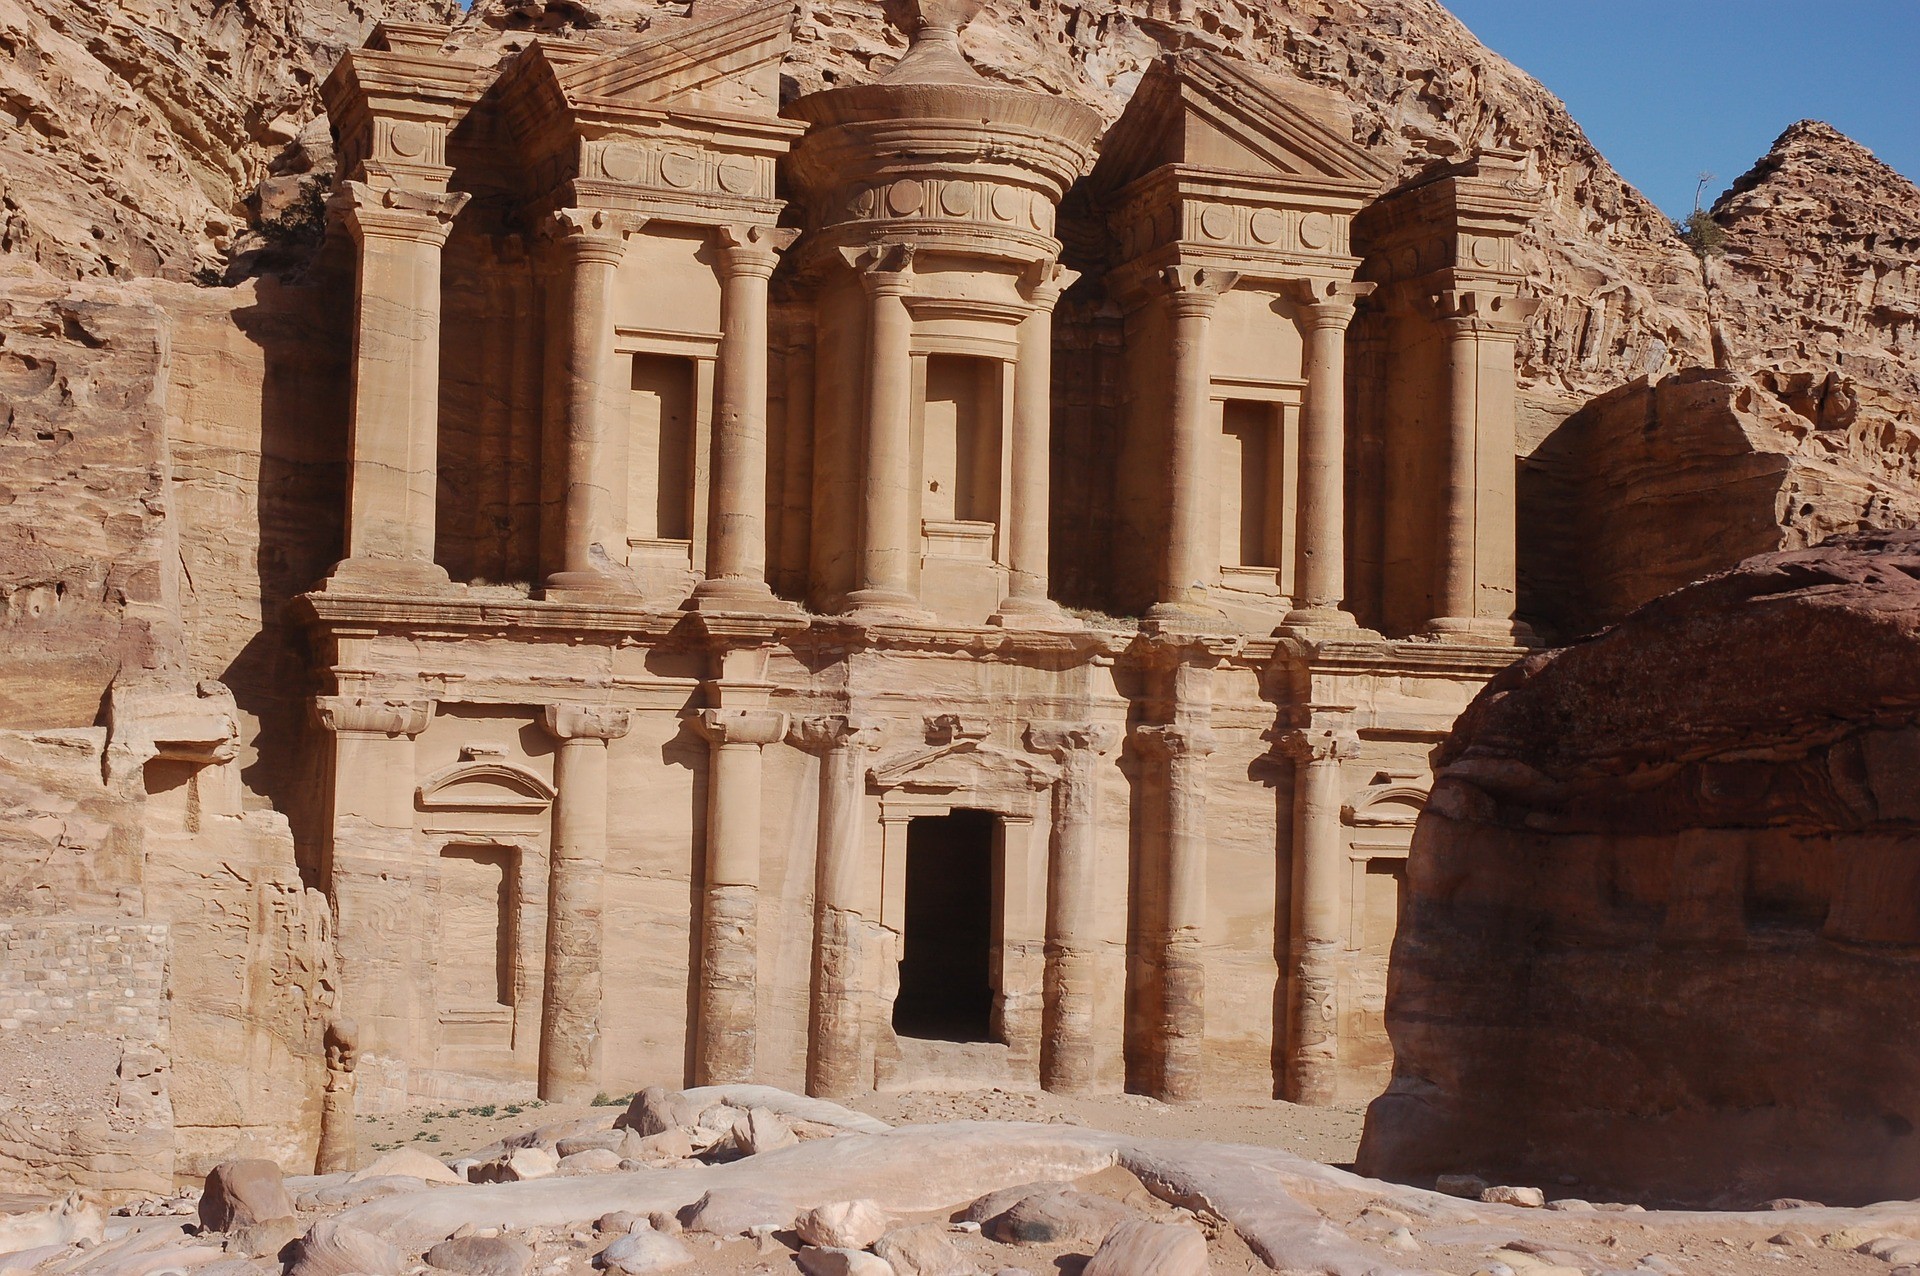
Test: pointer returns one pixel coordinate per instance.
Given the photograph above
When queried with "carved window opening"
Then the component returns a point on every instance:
(662, 448)
(1252, 507)
(476, 954)
(946, 972)
(1383, 886)
(962, 439)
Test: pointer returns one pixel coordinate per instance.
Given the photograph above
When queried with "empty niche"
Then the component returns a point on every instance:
(962, 439)
(475, 957)
(661, 492)
(1250, 451)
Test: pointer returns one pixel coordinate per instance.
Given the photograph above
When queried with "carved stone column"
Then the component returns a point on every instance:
(576, 901)
(1067, 1008)
(1478, 585)
(889, 543)
(372, 872)
(839, 1049)
(1028, 602)
(1319, 858)
(727, 1016)
(1191, 563)
(339, 1142)
(736, 577)
(393, 435)
(1181, 1028)
(1320, 574)
(590, 245)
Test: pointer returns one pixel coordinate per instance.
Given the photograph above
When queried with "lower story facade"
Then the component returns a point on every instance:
(576, 849)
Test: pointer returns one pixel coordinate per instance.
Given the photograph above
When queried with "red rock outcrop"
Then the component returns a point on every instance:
(1663, 925)
(1657, 484)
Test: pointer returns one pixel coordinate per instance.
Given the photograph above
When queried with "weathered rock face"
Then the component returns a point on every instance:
(1662, 932)
(1820, 286)
(1655, 485)
(140, 127)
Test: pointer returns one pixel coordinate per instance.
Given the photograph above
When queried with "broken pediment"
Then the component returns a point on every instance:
(1203, 110)
(728, 64)
(1394, 800)
(965, 765)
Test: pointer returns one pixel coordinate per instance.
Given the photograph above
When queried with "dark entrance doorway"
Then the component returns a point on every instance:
(946, 973)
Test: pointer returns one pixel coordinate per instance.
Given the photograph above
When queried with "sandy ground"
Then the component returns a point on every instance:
(1328, 1135)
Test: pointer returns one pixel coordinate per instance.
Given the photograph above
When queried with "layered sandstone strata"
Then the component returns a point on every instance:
(1658, 484)
(1661, 933)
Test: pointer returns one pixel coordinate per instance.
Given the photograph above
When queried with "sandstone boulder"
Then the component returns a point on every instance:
(842, 1262)
(643, 1252)
(924, 1249)
(239, 1193)
(1663, 908)
(844, 1225)
(407, 1163)
(1141, 1248)
(334, 1248)
(482, 1256)
(736, 1212)
(516, 1166)
(1063, 1216)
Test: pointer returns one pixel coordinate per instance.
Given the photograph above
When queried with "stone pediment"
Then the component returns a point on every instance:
(485, 784)
(1394, 800)
(728, 64)
(1204, 110)
(965, 765)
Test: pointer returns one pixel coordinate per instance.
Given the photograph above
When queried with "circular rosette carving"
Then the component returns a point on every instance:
(679, 169)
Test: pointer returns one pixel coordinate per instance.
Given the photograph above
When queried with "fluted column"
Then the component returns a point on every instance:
(393, 434)
(1477, 588)
(1182, 753)
(1191, 560)
(1028, 603)
(839, 1052)
(1317, 935)
(889, 543)
(591, 243)
(736, 577)
(1071, 980)
(1326, 309)
(727, 1017)
(576, 901)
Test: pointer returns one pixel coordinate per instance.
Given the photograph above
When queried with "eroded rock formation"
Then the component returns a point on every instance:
(1662, 932)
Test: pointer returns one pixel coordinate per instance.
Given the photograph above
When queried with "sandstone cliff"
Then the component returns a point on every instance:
(1820, 286)
(138, 128)
(1662, 922)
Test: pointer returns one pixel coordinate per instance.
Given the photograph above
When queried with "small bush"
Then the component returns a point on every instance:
(1707, 237)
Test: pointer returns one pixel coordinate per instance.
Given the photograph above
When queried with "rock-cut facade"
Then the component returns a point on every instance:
(723, 679)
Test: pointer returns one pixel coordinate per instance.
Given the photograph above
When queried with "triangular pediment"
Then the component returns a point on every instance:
(1205, 110)
(729, 63)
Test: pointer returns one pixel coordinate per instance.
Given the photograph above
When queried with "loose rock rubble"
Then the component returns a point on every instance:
(966, 1198)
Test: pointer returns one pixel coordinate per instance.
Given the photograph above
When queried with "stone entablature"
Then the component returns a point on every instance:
(663, 820)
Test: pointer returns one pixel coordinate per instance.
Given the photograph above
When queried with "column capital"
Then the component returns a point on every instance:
(752, 250)
(1063, 739)
(1043, 281)
(592, 234)
(837, 731)
(397, 213)
(885, 270)
(1174, 740)
(584, 722)
(1328, 303)
(1196, 290)
(757, 727)
(353, 715)
(1482, 311)
(1319, 744)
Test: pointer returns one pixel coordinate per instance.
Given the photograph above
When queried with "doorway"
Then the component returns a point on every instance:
(946, 971)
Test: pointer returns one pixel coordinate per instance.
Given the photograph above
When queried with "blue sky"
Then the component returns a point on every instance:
(1670, 89)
